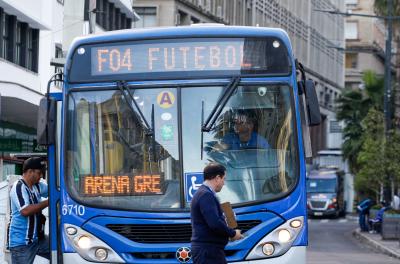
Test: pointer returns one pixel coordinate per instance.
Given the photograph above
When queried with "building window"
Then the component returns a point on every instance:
(123, 21)
(351, 60)
(5, 35)
(109, 17)
(148, 17)
(98, 11)
(19, 43)
(33, 44)
(112, 17)
(351, 30)
(105, 15)
(117, 18)
(351, 4)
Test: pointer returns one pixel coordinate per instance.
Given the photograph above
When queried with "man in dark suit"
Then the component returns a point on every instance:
(210, 232)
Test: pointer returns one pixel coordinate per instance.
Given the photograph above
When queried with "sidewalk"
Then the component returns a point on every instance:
(388, 247)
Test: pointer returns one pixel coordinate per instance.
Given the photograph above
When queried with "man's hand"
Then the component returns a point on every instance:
(237, 236)
(220, 147)
(34, 208)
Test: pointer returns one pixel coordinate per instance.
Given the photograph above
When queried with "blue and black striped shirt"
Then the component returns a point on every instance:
(24, 229)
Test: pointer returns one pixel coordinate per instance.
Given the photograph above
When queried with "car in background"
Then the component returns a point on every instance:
(325, 192)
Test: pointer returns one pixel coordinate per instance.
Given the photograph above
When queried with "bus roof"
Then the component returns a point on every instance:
(217, 31)
(323, 174)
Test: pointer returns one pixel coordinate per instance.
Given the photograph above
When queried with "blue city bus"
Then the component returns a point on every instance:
(142, 112)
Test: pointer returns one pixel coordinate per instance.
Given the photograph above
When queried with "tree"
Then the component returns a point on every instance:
(371, 158)
(380, 7)
(379, 156)
(393, 157)
(353, 106)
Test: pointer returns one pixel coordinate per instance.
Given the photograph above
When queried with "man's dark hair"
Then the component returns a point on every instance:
(249, 114)
(34, 163)
(212, 170)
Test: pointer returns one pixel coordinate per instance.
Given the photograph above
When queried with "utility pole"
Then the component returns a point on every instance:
(388, 72)
(387, 195)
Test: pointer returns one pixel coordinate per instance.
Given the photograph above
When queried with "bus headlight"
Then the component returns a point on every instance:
(83, 242)
(90, 247)
(284, 236)
(101, 254)
(268, 249)
(279, 241)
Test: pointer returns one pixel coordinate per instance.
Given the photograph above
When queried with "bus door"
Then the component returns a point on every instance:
(49, 134)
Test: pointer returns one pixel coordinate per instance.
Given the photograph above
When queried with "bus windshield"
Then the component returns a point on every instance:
(321, 185)
(112, 162)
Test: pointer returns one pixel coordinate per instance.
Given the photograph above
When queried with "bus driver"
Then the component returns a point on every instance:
(244, 135)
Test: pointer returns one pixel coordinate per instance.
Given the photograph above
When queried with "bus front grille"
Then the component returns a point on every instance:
(165, 233)
(318, 204)
(168, 255)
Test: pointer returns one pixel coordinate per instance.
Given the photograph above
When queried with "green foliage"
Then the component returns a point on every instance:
(379, 155)
(380, 7)
(371, 158)
(353, 106)
(392, 156)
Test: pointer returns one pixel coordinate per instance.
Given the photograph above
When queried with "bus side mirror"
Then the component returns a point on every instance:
(314, 115)
(46, 125)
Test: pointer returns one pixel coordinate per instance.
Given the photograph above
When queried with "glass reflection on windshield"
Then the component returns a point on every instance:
(253, 137)
(112, 160)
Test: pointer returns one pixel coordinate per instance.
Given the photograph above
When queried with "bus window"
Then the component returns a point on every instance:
(111, 155)
(253, 137)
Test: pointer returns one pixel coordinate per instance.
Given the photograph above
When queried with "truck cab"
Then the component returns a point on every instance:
(325, 192)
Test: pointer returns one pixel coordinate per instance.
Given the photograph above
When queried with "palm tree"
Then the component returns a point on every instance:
(353, 106)
(380, 7)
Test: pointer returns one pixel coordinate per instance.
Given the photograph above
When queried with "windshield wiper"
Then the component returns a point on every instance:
(219, 106)
(127, 92)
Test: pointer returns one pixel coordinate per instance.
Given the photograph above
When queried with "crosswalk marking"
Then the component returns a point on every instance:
(324, 221)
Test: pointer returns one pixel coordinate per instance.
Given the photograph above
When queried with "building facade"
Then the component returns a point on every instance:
(365, 43)
(313, 34)
(365, 50)
(32, 35)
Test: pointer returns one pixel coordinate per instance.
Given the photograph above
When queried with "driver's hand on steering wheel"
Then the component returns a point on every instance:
(220, 147)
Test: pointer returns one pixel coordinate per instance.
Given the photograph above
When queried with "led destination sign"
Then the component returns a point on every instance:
(121, 185)
(234, 54)
(162, 57)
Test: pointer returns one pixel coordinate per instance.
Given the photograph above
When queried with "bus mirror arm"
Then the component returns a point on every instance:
(307, 88)
(47, 115)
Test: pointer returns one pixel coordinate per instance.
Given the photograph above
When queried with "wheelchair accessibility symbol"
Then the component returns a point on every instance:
(193, 181)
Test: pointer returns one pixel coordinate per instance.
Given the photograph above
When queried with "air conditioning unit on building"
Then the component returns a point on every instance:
(219, 11)
(208, 5)
(177, 19)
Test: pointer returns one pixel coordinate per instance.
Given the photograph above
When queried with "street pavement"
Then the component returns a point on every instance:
(388, 247)
(331, 241)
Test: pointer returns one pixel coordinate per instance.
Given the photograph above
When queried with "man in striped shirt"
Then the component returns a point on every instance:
(26, 214)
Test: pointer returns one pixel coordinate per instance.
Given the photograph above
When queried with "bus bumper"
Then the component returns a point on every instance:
(294, 255)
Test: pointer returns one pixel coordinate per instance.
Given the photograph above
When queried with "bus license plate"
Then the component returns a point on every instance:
(318, 214)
